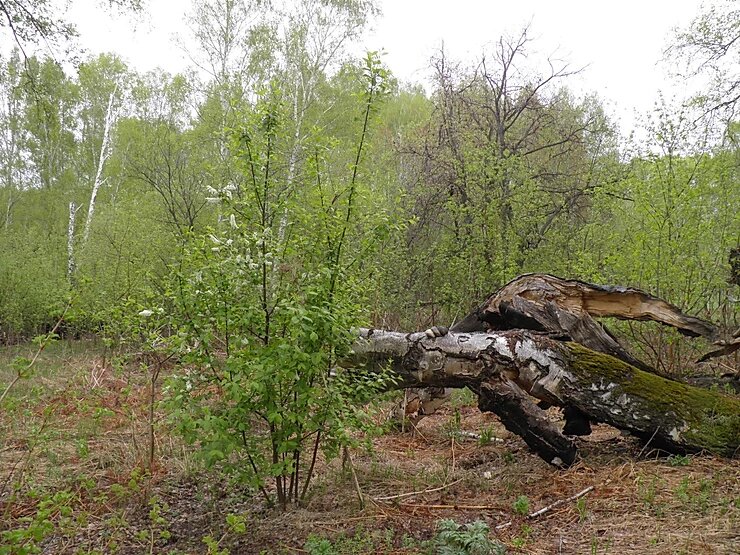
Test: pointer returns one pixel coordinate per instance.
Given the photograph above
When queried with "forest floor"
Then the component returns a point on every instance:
(73, 444)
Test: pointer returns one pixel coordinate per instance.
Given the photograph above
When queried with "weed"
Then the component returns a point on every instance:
(362, 541)
(595, 544)
(466, 539)
(679, 460)
(213, 546)
(648, 492)
(316, 545)
(463, 398)
(26, 539)
(521, 505)
(696, 498)
(522, 540)
(581, 508)
(486, 436)
(157, 523)
(453, 426)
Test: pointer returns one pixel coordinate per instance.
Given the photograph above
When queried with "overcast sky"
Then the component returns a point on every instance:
(620, 43)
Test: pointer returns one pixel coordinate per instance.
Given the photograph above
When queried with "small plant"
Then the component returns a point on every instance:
(697, 497)
(679, 460)
(213, 546)
(236, 524)
(466, 539)
(486, 436)
(316, 545)
(521, 540)
(463, 398)
(595, 543)
(157, 523)
(454, 424)
(361, 541)
(26, 539)
(521, 505)
(581, 508)
(648, 491)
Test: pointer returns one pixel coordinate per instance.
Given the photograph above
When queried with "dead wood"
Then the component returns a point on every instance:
(506, 369)
(546, 303)
(536, 339)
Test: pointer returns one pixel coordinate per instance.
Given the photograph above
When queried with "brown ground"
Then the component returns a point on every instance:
(78, 429)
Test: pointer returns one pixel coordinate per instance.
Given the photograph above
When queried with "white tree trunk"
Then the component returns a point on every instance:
(110, 116)
(71, 241)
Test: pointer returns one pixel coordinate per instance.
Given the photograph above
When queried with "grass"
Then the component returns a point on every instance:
(73, 479)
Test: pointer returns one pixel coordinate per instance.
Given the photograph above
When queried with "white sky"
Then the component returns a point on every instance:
(621, 42)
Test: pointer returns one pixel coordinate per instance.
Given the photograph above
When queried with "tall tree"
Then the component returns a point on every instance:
(33, 22)
(13, 162)
(710, 49)
(102, 90)
(508, 155)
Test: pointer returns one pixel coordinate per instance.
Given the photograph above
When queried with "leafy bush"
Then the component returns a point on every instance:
(259, 317)
(467, 539)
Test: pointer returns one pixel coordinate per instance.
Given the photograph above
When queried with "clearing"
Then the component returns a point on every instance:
(73, 454)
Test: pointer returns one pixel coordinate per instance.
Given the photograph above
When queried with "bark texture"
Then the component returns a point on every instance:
(542, 302)
(509, 368)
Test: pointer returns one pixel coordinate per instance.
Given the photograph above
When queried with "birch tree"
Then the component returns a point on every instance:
(12, 135)
(101, 95)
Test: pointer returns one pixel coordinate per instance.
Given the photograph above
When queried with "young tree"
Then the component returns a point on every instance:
(264, 319)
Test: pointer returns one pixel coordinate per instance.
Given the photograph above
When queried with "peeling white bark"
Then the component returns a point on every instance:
(510, 367)
(71, 241)
(105, 151)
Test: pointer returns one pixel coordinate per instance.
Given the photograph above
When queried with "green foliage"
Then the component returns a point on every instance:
(487, 436)
(695, 495)
(465, 539)
(316, 545)
(521, 505)
(262, 307)
(53, 511)
(360, 541)
(679, 460)
(521, 540)
(581, 508)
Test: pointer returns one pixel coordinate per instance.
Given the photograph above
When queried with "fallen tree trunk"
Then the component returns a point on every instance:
(509, 368)
(542, 302)
(565, 309)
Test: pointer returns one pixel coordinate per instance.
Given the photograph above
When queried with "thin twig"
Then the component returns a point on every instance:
(456, 507)
(551, 506)
(348, 458)
(452, 447)
(354, 518)
(648, 443)
(416, 431)
(410, 493)
(557, 503)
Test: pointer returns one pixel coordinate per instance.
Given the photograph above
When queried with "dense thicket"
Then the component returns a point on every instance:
(499, 170)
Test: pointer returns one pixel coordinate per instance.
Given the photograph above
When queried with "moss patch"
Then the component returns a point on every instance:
(713, 418)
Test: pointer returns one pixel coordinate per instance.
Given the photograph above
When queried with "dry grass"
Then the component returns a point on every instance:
(80, 428)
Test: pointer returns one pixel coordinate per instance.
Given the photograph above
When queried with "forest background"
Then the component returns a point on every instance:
(499, 170)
